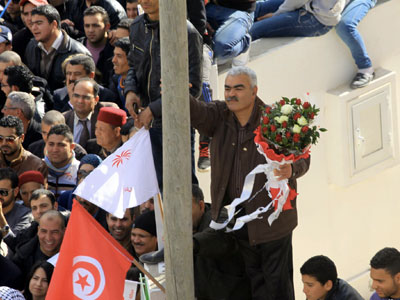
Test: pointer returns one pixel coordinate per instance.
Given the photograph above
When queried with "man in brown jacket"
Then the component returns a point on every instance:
(266, 249)
(13, 154)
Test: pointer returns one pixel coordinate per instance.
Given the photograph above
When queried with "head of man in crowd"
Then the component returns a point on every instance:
(51, 232)
(11, 137)
(123, 29)
(26, 7)
(151, 8)
(8, 189)
(241, 92)
(87, 164)
(198, 206)
(385, 273)
(75, 67)
(5, 38)
(120, 229)
(319, 276)
(60, 145)
(20, 105)
(147, 206)
(51, 118)
(29, 182)
(96, 25)
(41, 201)
(8, 58)
(132, 9)
(17, 79)
(108, 127)
(85, 97)
(144, 234)
(45, 24)
(120, 58)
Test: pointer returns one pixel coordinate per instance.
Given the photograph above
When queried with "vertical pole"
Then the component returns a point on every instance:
(176, 151)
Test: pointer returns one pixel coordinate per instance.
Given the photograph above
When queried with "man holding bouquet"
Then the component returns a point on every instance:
(266, 248)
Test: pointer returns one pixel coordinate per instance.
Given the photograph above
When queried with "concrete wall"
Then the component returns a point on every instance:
(348, 224)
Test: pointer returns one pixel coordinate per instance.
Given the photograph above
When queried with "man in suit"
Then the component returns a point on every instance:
(85, 102)
(75, 67)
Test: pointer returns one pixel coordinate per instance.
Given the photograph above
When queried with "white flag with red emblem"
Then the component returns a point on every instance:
(126, 178)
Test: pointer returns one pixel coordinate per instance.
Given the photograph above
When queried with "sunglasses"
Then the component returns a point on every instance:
(4, 192)
(8, 139)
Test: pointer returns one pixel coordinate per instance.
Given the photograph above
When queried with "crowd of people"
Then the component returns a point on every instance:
(78, 78)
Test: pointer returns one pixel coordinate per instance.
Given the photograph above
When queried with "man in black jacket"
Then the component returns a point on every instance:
(51, 46)
(320, 281)
(142, 84)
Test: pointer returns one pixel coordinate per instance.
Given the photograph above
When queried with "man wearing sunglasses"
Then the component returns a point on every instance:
(13, 216)
(13, 154)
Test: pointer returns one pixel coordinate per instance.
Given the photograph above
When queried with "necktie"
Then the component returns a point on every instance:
(84, 134)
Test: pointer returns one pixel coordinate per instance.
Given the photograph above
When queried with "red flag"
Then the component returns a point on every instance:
(91, 265)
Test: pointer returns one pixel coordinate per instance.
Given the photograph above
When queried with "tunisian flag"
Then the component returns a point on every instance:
(91, 265)
(126, 178)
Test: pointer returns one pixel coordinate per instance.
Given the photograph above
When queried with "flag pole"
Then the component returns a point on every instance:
(177, 177)
(142, 269)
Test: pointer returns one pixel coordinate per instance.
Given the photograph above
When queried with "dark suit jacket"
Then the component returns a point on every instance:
(69, 118)
(61, 98)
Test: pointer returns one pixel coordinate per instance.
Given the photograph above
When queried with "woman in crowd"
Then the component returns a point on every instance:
(38, 281)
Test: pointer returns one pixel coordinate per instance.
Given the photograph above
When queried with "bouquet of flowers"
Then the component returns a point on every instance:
(284, 136)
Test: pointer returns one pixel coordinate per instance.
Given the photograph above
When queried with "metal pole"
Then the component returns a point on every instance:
(176, 151)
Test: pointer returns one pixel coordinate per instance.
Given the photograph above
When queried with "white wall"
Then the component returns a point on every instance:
(348, 224)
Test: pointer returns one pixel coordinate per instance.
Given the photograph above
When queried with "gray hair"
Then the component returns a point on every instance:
(235, 71)
(10, 56)
(53, 117)
(24, 102)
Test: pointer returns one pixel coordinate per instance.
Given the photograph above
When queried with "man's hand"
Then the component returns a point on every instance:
(266, 16)
(130, 99)
(112, 36)
(145, 117)
(284, 172)
(68, 22)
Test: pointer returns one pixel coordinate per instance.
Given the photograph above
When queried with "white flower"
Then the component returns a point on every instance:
(286, 109)
(283, 119)
(302, 121)
(277, 119)
(296, 128)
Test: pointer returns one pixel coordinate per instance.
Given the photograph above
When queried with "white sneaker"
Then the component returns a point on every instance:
(242, 59)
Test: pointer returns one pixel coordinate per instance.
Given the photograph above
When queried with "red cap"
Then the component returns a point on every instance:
(34, 2)
(30, 176)
(111, 115)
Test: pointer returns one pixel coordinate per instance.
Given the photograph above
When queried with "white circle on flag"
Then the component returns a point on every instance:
(88, 278)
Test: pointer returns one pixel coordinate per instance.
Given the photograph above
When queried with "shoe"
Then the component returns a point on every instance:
(203, 164)
(361, 80)
(242, 59)
(154, 257)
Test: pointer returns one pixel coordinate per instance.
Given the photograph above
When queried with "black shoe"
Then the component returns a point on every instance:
(361, 80)
(203, 164)
(152, 257)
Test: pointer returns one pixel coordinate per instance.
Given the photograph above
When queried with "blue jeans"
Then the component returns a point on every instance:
(293, 23)
(232, 30)
(353, 13)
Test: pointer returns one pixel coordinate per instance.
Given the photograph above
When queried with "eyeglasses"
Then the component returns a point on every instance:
(4, 192)
(83, 97)
(8, 139)
(3, 85)
(5, 107)
(82, 174)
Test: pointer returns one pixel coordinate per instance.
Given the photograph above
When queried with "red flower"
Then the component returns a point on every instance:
(306, 105)
(298, 101)
(265, 129)
(278, 138)
(288, 134)
(273, 128)
(284, 124)
(296, 137)
(304, 129)
(265, 120)
(311, 115)
(296, 116)
(268, 109)
(282, 102)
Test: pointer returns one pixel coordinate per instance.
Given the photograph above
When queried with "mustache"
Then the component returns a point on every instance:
(138, 244)
(232, 98)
